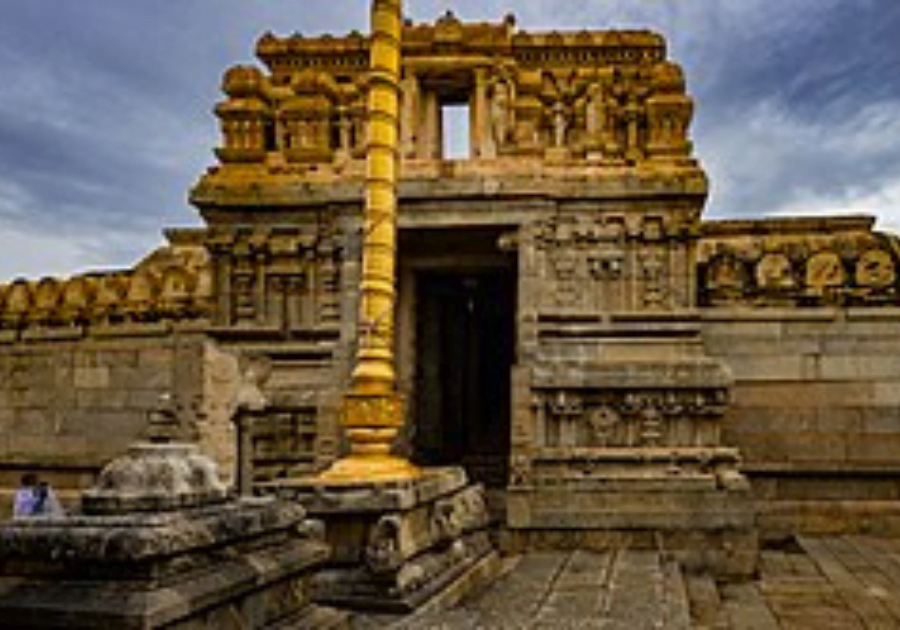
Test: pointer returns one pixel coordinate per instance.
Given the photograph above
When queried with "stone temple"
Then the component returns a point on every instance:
(569, 330)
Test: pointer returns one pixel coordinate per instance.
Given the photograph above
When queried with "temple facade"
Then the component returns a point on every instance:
(569, 329)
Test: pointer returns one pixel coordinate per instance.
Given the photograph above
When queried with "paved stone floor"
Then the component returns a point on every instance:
(811, 583)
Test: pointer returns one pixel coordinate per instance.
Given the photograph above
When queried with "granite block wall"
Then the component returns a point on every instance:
(68, 406)
(816, 412)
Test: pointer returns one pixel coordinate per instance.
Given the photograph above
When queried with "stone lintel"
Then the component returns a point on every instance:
(788, 225)
(131, 329)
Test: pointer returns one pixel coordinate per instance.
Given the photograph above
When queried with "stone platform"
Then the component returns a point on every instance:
(161, 543)
(691, 502)
(196, 569)
(398, 545)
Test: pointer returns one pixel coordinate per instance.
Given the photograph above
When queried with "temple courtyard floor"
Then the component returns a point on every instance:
(808, 583)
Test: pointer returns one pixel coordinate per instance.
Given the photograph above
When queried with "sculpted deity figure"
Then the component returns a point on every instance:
(501, 112)
(560, 124)
(595, 114)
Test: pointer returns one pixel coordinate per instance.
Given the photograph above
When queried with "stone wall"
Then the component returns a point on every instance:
(816, 410)
(805, 313)
(69, 405)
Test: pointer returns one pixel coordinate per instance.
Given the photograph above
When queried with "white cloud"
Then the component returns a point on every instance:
(770, 161)
(38, 254)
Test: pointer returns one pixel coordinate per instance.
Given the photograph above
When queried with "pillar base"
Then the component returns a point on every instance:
(398, 544)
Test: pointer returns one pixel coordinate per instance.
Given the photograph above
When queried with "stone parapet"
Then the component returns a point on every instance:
(170, 285)
(820, 262)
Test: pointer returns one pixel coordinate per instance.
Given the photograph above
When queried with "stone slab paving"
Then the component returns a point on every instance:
(621, 589)
(837, 583)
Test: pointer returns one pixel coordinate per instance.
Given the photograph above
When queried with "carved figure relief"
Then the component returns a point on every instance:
(774, 272)
(560, 122)
(842, 264)
(77, 296)
(654, 273)
(46, 300)
(607, 264)
(287, 279)
(726, 277)
(596, 113)
(383, 552)
(520, 471)
(824, 271)
(602, 422)
(875, 269)
(502, 112)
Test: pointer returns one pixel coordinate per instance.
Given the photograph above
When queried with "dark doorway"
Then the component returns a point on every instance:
(464, 353)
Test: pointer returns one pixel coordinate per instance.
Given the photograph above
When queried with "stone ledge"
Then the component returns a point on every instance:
(142, 537)
(323, 498)
(62, 333)
(696, 373)
(621, 510)
(642, 455)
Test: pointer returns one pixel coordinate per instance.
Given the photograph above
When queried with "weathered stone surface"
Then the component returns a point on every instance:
(396, 545)
(159, 546)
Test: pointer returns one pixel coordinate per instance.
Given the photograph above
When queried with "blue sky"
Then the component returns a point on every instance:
(105, 106)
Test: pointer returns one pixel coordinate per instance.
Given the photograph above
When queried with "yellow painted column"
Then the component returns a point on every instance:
(373, 411)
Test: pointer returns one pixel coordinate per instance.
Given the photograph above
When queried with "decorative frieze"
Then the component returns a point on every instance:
(172, 284)
(598, 419)
(791, 262)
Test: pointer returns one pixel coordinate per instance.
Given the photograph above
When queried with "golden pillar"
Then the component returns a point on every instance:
(373, 410)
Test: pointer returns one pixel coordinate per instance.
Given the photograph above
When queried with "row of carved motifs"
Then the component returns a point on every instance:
(634, 261)
(837, 269)
(610, 109)
(684, 417)
(607, 110)
(268, 271)
(140, 295)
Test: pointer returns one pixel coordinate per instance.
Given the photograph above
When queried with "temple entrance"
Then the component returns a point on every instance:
(464, 320)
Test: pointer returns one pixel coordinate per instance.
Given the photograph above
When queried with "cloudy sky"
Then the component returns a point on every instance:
(105, 106)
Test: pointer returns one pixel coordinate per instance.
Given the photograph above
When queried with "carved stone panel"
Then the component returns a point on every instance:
(599, 419)
(595, 263)
(286, 279)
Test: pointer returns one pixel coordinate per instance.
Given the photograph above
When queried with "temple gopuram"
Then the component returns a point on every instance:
(569, 330)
